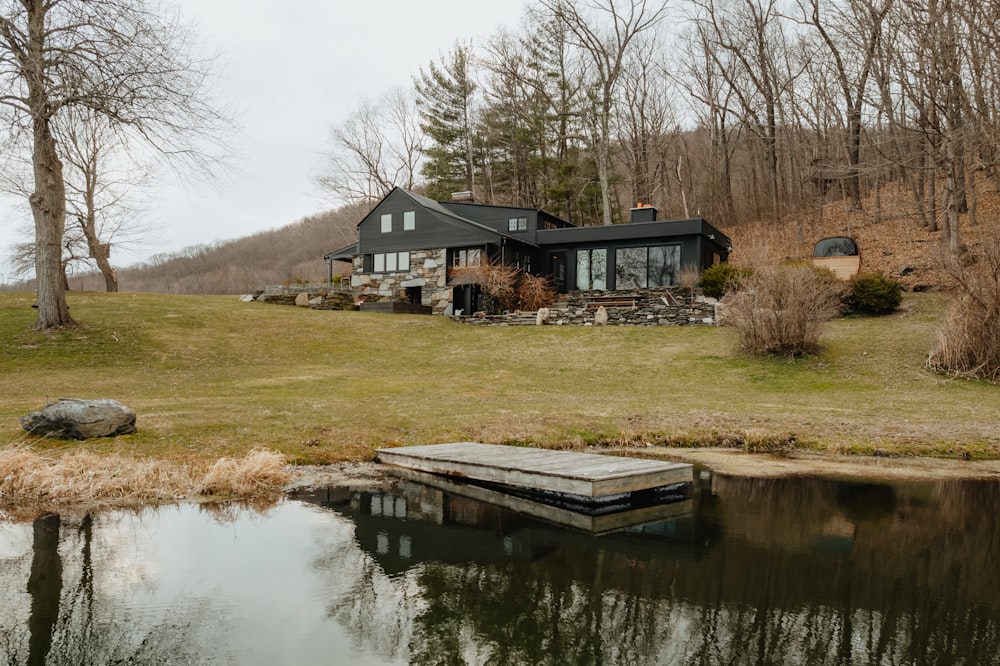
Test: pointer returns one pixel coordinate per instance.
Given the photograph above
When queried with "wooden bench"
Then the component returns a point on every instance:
(613, 302)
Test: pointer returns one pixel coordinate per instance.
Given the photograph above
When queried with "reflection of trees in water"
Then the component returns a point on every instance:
(376, 610)
(65, 625)
(805, 572)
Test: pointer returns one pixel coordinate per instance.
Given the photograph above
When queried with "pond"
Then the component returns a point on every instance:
(746, 571)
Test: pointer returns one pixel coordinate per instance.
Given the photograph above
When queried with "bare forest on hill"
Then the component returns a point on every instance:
(793, 116)
(780, 121)
(285, 256)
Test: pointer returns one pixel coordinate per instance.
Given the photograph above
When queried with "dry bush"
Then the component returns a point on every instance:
(969, 338)
(781, 309)
(497, 280)
(534, 292)
(259, 472)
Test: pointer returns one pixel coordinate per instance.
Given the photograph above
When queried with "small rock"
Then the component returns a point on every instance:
(74, 418)
(601, 316)
(302, 299)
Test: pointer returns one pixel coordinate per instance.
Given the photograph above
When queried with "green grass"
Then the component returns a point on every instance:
(211, 376)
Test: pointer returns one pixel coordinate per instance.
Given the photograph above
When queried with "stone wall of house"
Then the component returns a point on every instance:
(428, 270)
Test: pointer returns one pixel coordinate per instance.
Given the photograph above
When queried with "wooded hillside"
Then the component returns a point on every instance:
(293, 253)
(780, 121)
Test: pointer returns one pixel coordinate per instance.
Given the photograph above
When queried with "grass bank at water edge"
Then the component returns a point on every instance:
(212, 377)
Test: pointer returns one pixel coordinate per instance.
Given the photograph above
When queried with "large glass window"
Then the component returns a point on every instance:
(592, 269)
(387, 223)
(466, 256)
(630, 267)
(409, 220)
(387, 262)
(638, 267)
(664, 265)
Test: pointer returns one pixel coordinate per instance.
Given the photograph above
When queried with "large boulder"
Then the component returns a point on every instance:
(74, 418)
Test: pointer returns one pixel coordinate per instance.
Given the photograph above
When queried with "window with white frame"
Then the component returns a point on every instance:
(517, 224)
(390, 262)
(387, 223)
(409, 220)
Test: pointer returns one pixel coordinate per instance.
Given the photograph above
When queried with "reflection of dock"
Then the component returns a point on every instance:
(603, 523)
(569, 472)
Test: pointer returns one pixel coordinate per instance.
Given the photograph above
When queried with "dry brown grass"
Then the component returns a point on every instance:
(260, 472)
(888, 232)
(969, 338)
(86, 478)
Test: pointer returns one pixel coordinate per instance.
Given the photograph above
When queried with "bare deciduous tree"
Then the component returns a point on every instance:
(101, 179)
(378, 147)
(128, 61)
(605, 36)
(851, 40)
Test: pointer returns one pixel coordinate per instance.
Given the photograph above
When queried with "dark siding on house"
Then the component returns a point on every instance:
(693, 237)
(431, 229)
(497, 217)
(625, 232)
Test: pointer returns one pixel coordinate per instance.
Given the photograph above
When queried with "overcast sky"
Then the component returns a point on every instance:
(291, 69)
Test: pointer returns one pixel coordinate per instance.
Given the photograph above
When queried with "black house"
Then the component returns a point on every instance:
(407, 243)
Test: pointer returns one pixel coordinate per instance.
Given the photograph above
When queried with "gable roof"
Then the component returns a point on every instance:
(442, 214)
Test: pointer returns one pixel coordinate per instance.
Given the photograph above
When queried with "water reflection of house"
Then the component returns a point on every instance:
(409, 523)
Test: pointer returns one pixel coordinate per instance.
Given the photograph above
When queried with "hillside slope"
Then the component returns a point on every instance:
(292, 253)
(887, 230)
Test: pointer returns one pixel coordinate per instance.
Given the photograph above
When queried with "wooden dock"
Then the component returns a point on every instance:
(598, 525)
(584, 474)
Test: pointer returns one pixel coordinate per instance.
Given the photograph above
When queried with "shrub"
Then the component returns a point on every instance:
(969, 338)
(718, 279)
(781, 309)
(873, 294)
(534, 292)
(497, 280)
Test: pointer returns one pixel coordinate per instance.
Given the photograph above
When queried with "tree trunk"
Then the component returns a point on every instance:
(44, 587)
(48, 207)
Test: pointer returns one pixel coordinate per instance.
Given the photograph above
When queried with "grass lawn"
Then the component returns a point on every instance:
(212, 376)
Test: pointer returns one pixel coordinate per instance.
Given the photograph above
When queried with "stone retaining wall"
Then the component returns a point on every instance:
(316, 300)
(653, 308)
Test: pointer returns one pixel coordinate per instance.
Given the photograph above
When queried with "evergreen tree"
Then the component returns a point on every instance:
(445, 99)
